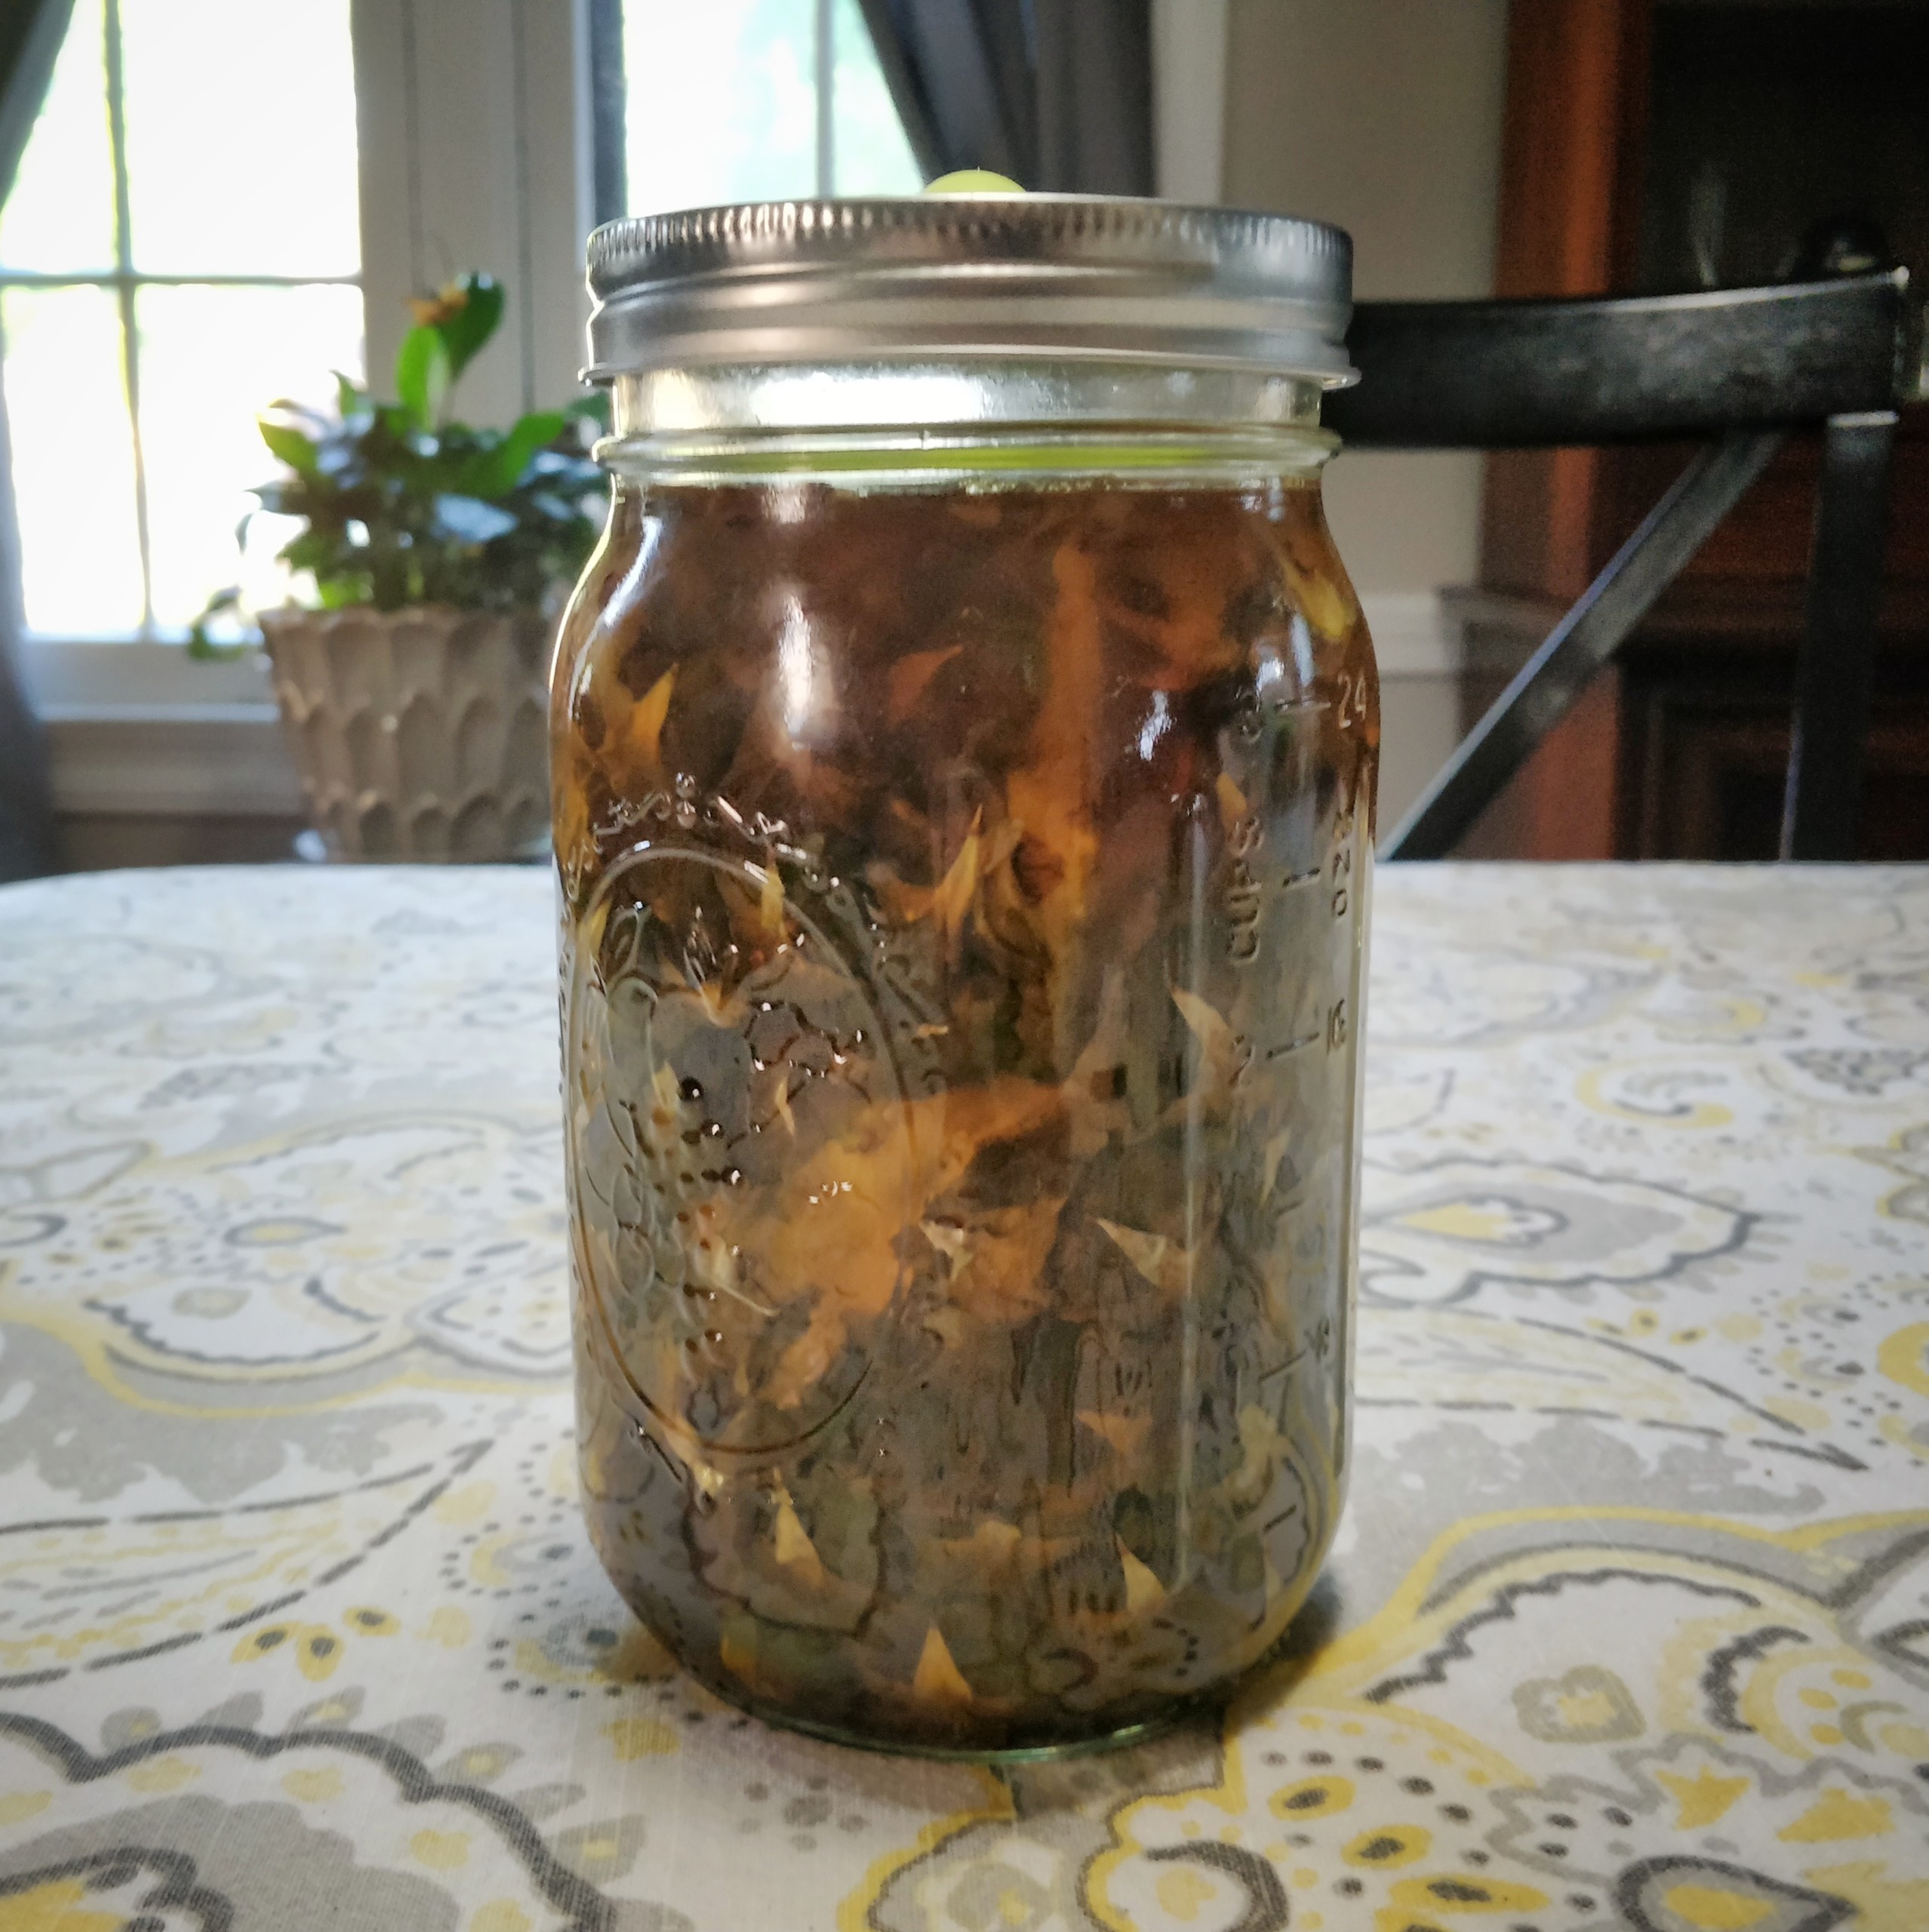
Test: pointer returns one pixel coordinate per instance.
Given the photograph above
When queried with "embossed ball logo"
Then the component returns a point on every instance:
(741, 1152)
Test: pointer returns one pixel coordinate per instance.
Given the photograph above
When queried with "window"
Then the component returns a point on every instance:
(181, 248)
(745, 101)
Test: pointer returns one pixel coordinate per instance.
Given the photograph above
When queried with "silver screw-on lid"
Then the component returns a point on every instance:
(1078, 277)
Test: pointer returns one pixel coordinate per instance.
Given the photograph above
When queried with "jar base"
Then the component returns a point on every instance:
(1142, 1730)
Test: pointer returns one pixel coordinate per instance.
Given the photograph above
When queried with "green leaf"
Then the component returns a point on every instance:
(336, 593)
(470, 520)
(283, 499)
(423, 374)
(496, 473)
(594, 407)
(466, 329)
(294, 449)
(309, 550)
(201, 645)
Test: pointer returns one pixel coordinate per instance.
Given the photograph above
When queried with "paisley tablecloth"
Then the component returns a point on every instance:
(1628, 1625)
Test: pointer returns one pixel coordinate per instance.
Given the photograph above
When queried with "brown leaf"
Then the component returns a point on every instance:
(906, 682)
(1037, 868)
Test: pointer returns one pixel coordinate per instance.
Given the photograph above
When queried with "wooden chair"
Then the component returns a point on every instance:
(1740, 367)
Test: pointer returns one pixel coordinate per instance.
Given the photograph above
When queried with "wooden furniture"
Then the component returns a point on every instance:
(1739, 366)
(1651, 146)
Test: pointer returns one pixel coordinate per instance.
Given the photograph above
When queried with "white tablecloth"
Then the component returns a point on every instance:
(1628, 1625)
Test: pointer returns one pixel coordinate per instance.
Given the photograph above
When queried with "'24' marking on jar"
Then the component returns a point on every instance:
(1352, 697)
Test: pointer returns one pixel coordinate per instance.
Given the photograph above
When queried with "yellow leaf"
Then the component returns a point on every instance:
(795, 1549)
(953, 898)
(1221, 1047)
(1143, 1591)
(769, 904)
(646, 724)
(949, 899)
(1162, 1262)
(1123, 1433)
(997, 1260)
(1208, 1027)
(1233, 806)
(938, 1680)
(738, 1657)
(947, 1239)
(669, 1099)
(1274, 1152)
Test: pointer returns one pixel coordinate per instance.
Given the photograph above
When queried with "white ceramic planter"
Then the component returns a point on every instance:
(419, 733)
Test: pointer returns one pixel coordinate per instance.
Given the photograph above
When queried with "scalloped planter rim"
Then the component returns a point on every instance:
(421, 733)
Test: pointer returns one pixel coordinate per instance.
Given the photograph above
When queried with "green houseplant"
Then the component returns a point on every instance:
(413, 690)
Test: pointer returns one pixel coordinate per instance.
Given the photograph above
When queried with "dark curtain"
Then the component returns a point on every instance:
(1056, 93)
(31, 32)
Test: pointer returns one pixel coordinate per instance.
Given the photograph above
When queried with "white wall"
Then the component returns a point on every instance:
(1384, 116)
(474, 152)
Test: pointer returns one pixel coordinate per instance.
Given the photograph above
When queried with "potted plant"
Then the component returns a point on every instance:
(413, 693)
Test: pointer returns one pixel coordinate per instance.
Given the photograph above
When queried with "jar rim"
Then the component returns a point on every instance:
(993, 279)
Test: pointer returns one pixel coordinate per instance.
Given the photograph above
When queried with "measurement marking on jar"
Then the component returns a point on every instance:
(1292, 879)
(1352, 697)
(1242, 895)
(1294, 1046)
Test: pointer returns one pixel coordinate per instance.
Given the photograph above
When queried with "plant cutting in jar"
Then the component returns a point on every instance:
(413, 692)
(962, 839)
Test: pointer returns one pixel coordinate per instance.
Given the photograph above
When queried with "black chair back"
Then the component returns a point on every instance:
(1739, 367)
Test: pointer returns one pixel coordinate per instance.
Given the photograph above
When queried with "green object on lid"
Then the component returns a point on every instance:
(973, 181)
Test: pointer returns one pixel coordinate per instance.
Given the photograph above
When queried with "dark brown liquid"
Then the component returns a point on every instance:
(964, 908)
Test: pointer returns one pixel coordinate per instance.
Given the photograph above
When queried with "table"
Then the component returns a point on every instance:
(1628, 1624)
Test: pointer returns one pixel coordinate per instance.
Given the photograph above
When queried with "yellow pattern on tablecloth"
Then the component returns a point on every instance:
(1628, 1625)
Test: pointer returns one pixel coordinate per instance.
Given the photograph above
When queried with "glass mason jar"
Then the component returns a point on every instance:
(964, 754)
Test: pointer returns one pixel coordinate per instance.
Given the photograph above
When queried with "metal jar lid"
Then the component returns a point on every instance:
(1034, 277)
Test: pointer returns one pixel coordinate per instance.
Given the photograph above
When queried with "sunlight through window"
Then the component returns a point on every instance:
(181, 247)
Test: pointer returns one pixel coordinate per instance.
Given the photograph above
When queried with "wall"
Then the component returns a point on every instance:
(474, 154)
(1384, 116)
(474, 140)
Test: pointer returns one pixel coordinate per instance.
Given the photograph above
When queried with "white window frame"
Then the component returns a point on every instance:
(447, 94)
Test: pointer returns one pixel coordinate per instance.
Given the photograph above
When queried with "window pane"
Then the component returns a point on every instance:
(60, 215)
(722, 101)
(73, 461)
(872, 156)
(241, 136)
(211, 360)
